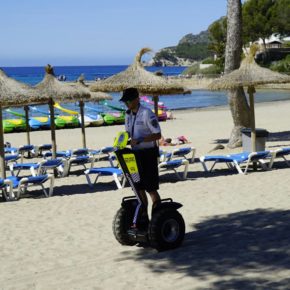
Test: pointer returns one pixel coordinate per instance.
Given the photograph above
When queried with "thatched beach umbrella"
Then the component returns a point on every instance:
(14, 93)
(249, 75)
(53, 89)
(94, 97)
(136, 76)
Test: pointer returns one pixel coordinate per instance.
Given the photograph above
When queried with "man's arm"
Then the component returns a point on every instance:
(148, 138)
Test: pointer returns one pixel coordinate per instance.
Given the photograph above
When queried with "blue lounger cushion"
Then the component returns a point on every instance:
(105, 171)
(234, 160)
(173, 165)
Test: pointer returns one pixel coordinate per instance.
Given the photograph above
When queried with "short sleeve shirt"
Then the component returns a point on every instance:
(142, 124)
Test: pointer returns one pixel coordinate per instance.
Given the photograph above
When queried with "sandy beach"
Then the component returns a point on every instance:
(237, 227)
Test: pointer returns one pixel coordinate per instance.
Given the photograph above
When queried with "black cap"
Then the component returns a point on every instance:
(129, 95)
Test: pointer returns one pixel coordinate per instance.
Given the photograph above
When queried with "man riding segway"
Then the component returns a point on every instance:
(144, 130)
(140, 166)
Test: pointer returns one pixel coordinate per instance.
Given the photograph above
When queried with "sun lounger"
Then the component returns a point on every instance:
(235, 160)
(280, 153)
(41, 149)
(9, 158)
(20, 184)
(6, 188)
(116, 173)
(59, 154)
(105, 152)
(10, 150)
(173, 165)
(39, 168)
(78, 157)
(177, 153)
(29, 149)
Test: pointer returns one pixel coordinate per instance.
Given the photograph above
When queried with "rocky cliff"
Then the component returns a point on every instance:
(190, 49)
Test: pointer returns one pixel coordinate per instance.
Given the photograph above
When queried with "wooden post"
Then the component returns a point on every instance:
(52, 127)
(26, 109)
(83, 123)
(251, 91)
(155, 100)
(2, 153)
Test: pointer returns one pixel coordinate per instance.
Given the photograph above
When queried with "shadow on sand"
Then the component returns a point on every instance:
(255, 241)
(279, 136)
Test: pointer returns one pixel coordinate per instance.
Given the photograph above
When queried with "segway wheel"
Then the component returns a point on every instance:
(121, 224)
(166, 229)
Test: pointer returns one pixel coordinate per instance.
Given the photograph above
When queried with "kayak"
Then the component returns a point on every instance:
(66, 121)
(58, 106)
(70, 121)
(37, 123)
(58, 120)
(91, 120)
(10, 125)
(114, 118)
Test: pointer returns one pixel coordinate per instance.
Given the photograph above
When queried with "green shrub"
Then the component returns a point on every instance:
(195, 70)
(282, 66)
(191, 70)
(212, 70)
(208, 60)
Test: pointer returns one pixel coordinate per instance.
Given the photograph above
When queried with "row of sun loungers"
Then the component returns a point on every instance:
(62, 165)
(177, 161)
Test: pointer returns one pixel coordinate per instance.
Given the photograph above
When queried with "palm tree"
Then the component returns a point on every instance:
(236, 97)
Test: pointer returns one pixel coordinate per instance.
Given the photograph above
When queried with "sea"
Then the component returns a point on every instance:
(197, 99)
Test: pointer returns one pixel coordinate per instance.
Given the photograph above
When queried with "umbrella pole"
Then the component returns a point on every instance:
(2, 153)
(52, 127)
(156, 99)
(251, 91)
(26, 109)
(83, 124)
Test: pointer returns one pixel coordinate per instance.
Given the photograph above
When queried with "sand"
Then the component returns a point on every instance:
(237, 227)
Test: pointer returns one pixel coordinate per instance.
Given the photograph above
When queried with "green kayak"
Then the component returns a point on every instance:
(66, 121)
(114, 118)
(10, 125)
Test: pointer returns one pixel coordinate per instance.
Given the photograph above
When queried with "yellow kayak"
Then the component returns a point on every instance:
(58, 106)
(17, 124)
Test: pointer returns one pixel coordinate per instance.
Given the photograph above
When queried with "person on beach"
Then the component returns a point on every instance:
(169, 142)
(144, 130)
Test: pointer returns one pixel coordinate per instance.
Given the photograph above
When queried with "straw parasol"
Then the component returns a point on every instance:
(136, 76)
(14, 93)
(249, 74)
(94, 97)
(53, 89)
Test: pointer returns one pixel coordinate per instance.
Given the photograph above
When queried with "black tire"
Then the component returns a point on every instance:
(121, 224)
(166, 229)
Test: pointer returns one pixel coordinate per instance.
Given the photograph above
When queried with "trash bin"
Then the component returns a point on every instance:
(261, 135)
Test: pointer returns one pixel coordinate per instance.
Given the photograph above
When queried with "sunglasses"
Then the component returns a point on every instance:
(129, 102)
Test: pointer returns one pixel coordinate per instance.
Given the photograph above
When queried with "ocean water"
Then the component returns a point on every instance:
(197, 99)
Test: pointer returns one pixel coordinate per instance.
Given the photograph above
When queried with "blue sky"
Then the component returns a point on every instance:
(93, 32)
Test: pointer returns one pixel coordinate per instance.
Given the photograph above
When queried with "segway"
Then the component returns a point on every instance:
(166, 228)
